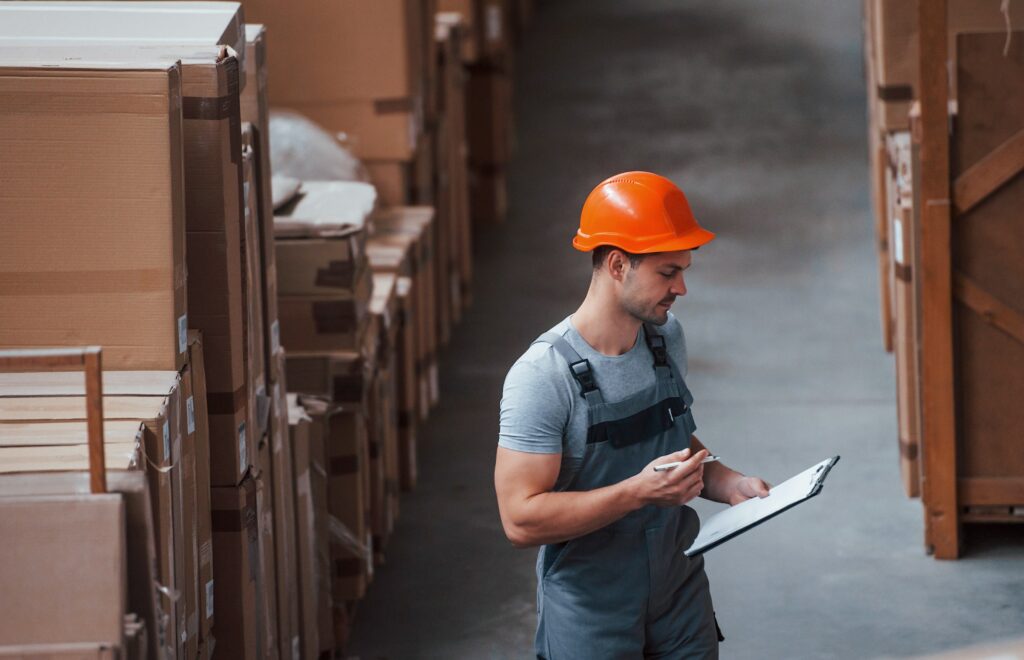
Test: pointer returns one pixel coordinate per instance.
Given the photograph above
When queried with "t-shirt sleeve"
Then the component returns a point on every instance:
(534, 410)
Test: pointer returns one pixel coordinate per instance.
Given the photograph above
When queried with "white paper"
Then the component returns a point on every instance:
(746, 514)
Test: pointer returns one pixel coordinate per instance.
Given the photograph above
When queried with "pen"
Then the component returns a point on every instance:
(668, 466)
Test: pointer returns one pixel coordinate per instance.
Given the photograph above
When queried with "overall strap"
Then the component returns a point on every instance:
(656, 344)
(664, 365)
(579, 367)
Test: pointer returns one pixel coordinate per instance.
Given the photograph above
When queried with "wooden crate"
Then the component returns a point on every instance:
(972, 282)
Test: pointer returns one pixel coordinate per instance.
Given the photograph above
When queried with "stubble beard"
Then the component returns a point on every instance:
(645, 314)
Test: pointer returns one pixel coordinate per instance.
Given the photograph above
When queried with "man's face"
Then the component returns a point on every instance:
(649, 290)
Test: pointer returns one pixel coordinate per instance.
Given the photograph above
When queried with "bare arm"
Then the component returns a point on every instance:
(725, 485)
(533, 514)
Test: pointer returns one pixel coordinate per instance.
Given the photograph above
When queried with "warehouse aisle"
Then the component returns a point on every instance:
(758, 114)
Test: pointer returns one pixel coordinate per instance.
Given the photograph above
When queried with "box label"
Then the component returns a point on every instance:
(209, 599)
(242, 463)
(183, 333)
(897, 240)
(296, 648)
(275, 336)
(167, 440)
(190, 408)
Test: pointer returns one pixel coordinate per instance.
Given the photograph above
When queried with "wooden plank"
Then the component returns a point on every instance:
(991, 491)
(942, 528)
(989, 174)
(994, 312)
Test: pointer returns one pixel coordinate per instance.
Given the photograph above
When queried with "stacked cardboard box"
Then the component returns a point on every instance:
(402, 243)
(151, 424)
(488, 58)
(452, 167)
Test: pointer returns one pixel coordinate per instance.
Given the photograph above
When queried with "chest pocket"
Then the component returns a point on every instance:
(642, 426)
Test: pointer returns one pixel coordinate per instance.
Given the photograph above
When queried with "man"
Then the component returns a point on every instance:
(587, 412)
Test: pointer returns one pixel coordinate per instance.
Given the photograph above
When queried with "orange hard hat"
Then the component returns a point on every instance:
(639, 212)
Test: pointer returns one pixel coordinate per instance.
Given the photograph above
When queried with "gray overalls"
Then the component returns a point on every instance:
(627, 590)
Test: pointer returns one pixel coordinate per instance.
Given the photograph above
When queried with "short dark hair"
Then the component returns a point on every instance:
(600, 253)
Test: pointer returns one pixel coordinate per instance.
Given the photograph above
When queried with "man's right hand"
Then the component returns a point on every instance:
(673, 487)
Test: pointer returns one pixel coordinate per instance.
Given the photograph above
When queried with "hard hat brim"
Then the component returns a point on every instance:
(688, 241)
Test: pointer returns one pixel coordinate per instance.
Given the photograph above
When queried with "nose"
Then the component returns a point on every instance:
(678, 287)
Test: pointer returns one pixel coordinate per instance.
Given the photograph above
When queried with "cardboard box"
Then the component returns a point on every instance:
(140, 548)
(489, 112)
(300, 433)
(393, 180)
(236, 566)
(285, 529)
(406, 384)
(383, 129)
(199, 421)
(402, 231)
(255, 335)
(84, 24)
(488, 190)
(266, 585)
(323, 324)
(348, 456)
(330, 263)
(256, 111)
(319, 492)
(49, 539)
(84, 280)
(323, 49)
(152, 424)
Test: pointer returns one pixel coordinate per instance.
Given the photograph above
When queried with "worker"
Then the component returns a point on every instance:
(587, 412)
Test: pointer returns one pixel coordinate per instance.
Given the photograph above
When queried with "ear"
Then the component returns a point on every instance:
(617, 264)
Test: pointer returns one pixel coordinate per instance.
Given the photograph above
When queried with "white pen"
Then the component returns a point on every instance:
(668, 466)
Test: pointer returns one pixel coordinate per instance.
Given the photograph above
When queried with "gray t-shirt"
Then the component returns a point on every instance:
(542, 411)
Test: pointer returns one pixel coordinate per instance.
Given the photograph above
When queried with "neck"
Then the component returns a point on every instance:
(603, 323)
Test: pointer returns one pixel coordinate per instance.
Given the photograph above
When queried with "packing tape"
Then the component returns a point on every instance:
(893, 93)
(393, 106)
(337, 274)
(342, 465)
(903, 272)
(71, 282)
(226, 403)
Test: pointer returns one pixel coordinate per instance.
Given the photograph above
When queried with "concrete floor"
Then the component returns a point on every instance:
(757, 110)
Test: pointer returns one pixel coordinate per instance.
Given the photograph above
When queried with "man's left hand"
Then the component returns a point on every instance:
(748, 487)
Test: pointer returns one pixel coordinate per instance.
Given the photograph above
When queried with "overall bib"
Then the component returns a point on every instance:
(627, 590)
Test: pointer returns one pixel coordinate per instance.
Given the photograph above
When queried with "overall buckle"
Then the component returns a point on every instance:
(658, 349)
(584, 375)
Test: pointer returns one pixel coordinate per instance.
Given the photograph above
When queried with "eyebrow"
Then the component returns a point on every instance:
(677, 267)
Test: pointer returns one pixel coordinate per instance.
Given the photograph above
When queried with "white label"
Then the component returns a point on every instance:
(183, 333)
(275, 336)
(296, 648)
(190, 408)
(493, 23)
(167, 440)
(209, 599)
(242, 463)
(897, 240)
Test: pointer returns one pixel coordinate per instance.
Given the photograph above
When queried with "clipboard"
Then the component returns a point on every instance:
(737, 519)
